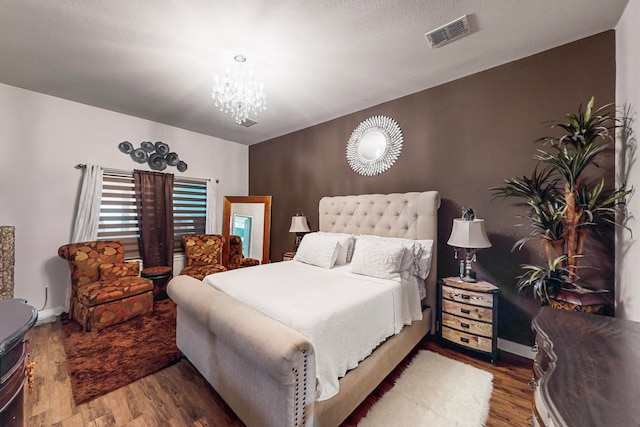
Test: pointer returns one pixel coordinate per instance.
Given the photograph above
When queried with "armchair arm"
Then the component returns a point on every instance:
(248, 262)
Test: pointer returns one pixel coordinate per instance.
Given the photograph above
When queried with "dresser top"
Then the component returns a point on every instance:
(593, 378)
(16, 318)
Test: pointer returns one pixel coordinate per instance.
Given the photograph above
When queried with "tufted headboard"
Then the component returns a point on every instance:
(408, 215)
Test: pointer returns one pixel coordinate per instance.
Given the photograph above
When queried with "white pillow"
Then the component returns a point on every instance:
(423, 261)
(345, 242)
(417, 256)
(377, 258)
(317, 250)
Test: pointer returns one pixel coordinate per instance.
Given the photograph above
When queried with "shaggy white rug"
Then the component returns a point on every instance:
(434, 391)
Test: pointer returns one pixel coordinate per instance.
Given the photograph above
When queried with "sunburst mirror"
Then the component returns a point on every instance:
(374, 145)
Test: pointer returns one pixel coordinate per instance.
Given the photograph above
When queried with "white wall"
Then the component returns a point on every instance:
(628, 94)
(42, 138)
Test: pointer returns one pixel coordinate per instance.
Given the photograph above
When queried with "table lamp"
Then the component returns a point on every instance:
(468, 233)
(299, 226)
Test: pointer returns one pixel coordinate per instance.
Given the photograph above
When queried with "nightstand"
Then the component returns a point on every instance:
(288, 256)
(468, 315)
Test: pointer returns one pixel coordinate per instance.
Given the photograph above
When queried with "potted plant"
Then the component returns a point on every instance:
(566, 205)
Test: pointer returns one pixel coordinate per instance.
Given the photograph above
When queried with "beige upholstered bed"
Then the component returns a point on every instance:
(265, 370)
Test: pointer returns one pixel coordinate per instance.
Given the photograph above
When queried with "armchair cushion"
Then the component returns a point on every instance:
(248, 262)
(200, 271)
(119, 269)
(111, 290)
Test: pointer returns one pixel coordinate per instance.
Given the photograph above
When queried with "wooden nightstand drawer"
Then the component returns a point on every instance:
(466, 310)
(467, 297)
(467, 340)
(467, 325)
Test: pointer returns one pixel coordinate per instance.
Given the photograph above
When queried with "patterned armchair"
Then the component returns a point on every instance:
(105, 289)
(236, 259)
(203, 253)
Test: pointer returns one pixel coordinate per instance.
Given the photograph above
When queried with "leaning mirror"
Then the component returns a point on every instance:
(250, 218)
(374, 145)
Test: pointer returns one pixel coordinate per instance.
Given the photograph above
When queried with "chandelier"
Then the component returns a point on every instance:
(239, 94)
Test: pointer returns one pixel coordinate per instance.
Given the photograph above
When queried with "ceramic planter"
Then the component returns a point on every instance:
(583, 300)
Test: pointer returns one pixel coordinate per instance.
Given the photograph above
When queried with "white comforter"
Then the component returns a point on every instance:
(345, 315)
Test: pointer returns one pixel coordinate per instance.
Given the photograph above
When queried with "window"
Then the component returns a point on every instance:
(119, 221)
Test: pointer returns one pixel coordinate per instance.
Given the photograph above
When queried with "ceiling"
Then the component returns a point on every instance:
(318, 60)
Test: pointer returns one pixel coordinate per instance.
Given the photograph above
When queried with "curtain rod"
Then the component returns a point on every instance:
(122, 171)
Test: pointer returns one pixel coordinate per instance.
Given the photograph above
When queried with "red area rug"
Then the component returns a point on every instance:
(102, 361)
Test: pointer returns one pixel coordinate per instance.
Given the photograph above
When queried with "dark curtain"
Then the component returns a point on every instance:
(154, 203)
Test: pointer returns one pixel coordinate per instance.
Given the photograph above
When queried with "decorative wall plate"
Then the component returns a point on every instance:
(374, 145)
(158, 156)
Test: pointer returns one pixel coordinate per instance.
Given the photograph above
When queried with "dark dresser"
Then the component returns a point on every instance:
(587, 370)
(16, 318)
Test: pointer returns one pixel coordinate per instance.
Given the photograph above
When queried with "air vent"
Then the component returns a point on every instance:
(449, 32)
(248, 123)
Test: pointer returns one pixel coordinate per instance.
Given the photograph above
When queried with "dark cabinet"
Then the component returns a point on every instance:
(16, 318)
(587, 370)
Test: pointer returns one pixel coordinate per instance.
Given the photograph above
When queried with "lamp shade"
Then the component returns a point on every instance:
(469, 234)
(299, 224)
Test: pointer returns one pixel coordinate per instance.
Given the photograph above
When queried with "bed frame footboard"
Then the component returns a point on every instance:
(264, 370)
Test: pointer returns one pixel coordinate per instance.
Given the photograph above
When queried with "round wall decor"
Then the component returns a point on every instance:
(374, 145)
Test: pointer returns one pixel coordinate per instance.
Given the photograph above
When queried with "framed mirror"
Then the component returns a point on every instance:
(374, 145)
(250, 218)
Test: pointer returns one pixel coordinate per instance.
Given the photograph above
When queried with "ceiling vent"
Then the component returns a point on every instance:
(248, 123)
(449, 32)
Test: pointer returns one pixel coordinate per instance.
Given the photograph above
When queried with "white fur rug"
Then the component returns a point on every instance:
(434, 391)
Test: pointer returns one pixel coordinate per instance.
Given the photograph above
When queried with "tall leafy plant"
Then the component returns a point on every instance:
(564, 206)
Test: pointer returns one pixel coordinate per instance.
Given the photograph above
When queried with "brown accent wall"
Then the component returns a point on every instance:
(460, 138)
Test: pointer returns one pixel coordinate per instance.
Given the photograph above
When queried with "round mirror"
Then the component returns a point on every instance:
(374, 145)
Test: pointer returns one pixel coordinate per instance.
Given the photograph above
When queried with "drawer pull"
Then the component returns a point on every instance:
(465, 296)
(465, 311)
(464, 325)
(464, 340)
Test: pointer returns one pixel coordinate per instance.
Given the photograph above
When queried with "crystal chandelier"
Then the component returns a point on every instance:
(239, 94)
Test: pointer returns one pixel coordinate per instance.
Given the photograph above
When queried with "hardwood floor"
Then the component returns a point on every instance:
(179, 396)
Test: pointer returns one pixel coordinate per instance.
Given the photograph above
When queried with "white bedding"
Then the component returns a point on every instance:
(345, 315)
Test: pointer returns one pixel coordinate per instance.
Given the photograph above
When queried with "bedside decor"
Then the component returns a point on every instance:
(300, 227)
(468, 233)
(566, 206)
(374, 145)
(158, 156)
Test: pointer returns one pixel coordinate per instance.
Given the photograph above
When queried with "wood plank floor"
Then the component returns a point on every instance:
(179, 396)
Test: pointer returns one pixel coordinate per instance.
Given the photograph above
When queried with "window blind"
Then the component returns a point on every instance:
(119, 220)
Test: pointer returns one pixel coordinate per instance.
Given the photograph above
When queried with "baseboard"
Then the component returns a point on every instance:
(178, 263)
(49, 315)
(516, 348)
